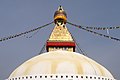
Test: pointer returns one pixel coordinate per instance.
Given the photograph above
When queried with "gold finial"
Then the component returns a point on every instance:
(60, 14)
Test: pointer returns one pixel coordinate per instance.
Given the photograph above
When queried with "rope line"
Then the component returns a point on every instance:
(23, 33)
(42, 49)
(102, 28)
(33, 34)
(80, 50)
(106, 36)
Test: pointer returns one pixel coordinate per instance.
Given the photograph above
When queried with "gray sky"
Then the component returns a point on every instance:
(21, 15)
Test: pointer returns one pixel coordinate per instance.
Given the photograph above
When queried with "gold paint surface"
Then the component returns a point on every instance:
(60, 33)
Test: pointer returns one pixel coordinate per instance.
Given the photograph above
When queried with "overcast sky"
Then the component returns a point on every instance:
(20, 15)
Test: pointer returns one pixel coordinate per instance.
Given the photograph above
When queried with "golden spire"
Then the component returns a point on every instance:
(60, 14)
(60, 36)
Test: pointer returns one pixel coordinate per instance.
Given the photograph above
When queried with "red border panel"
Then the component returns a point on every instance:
(69, 44)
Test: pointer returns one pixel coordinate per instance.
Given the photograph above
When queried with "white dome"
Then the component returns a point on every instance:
(61, 62)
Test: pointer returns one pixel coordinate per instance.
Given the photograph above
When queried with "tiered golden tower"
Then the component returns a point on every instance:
(60, 38)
